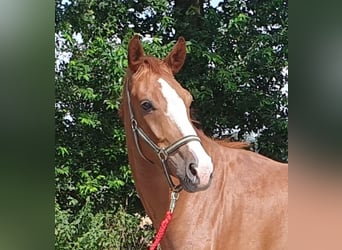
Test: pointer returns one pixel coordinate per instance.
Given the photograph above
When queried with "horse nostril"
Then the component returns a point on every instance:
(192, 168)
(211, 175)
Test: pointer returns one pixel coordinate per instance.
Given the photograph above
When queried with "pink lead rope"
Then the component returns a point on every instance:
(165, 222)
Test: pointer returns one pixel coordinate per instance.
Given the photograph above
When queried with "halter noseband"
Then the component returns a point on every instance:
(163, 153)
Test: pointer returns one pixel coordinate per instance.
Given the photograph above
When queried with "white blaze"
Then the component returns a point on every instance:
(176, 111)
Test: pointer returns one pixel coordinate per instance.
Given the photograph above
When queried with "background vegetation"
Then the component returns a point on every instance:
(236, 69)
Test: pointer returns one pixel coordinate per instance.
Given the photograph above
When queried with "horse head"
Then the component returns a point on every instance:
(159, 113)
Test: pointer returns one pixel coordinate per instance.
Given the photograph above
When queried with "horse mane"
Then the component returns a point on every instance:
(226, 142)
(233, 144)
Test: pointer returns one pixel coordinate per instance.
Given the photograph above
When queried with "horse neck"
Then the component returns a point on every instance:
(151, 187)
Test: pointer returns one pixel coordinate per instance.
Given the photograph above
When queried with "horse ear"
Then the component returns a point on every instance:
(176, 58)
(135, 52)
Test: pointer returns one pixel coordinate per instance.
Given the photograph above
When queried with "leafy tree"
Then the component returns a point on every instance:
(234, 69)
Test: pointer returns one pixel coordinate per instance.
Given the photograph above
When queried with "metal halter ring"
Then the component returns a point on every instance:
(134, 124)
(162, 155)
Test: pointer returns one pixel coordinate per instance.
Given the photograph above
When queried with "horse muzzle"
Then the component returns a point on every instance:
(194, 180)
(194, 171)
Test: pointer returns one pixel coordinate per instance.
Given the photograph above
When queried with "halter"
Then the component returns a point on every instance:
(163, 153)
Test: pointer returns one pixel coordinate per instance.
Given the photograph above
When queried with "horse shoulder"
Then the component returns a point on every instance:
(255, 190)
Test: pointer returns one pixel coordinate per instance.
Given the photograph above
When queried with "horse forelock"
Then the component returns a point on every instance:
(150, 64)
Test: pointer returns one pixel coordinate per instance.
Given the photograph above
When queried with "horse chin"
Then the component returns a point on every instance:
(191, 187)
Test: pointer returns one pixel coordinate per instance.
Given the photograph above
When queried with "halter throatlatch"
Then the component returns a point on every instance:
(163, 153)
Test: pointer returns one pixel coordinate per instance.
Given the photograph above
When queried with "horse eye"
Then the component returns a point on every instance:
(147, 106)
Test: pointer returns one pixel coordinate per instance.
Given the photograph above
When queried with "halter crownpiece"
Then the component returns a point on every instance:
(163, 153)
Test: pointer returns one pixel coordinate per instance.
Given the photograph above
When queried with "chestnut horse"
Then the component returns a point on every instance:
(231, 199)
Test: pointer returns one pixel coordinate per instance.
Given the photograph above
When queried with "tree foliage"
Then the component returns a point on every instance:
(237, 55)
